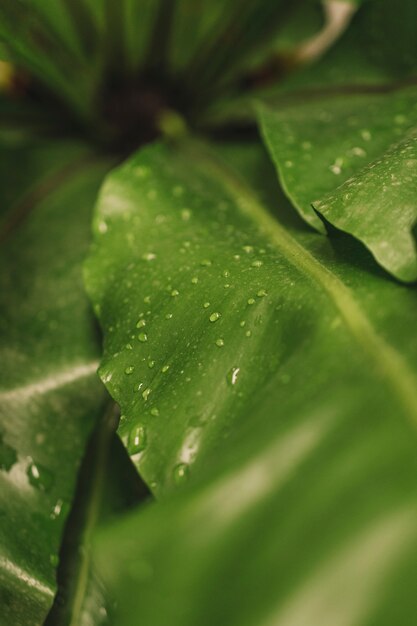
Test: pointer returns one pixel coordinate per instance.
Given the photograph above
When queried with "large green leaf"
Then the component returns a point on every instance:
(269, 391)
(353, 158)
(50, 395)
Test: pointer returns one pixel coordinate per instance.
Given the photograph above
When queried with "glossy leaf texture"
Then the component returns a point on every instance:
(353, 159)
(108, 485)
(50, 394)
(356, 131)
(268, 386)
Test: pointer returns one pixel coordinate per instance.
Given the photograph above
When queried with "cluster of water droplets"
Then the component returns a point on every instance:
(195, 292)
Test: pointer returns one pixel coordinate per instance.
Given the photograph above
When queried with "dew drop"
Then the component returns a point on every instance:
(366, 135)
(261, 293)
(242, 323)
(247, 249)
(40, 477)
(232, 375)
(141, 323)
(186, 214)
(149, 256)
(220, 343)
(155, 411)
(137, 439)
(164, 368)
(143, 337)
(194, 280)
(57, 510)
(248, 333)
(335, 169)
(168, 316)
(146, 393)
(180, 473)
(151, 364)
(206, 305)
(129, 369)
(251, 301)
(205, 263)
(214, 316)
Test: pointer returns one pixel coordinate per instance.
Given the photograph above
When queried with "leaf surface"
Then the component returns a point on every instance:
(268, 387)
(108, 485)
(50, 395)
(352, 158)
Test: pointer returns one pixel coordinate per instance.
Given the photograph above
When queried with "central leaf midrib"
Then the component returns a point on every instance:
(385, 357)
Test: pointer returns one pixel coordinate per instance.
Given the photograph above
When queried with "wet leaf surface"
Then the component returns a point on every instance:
(352, 159)
(268, 386)
(50, 395)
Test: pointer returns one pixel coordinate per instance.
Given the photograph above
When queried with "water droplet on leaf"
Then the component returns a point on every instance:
(146, 393)
(137, 439)
(40, 477)
(232, 375)
(180, 473)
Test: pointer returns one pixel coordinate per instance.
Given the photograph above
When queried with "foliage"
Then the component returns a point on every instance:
(247, 297)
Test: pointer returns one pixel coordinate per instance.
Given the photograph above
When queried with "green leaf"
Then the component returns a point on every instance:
(278, 421)
(353, 158)
(50, 395)
(358, 62)
(33, 43)
(108, 485)
(242, 32)
(392, 33)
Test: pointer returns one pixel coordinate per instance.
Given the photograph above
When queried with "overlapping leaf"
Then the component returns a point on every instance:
(345, 146)
(353, 159)
(50, 395)
(108, 485)
(274, 381)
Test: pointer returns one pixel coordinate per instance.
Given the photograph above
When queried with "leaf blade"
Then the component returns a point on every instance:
(357, 177)
(313, 464)
(49, 352)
